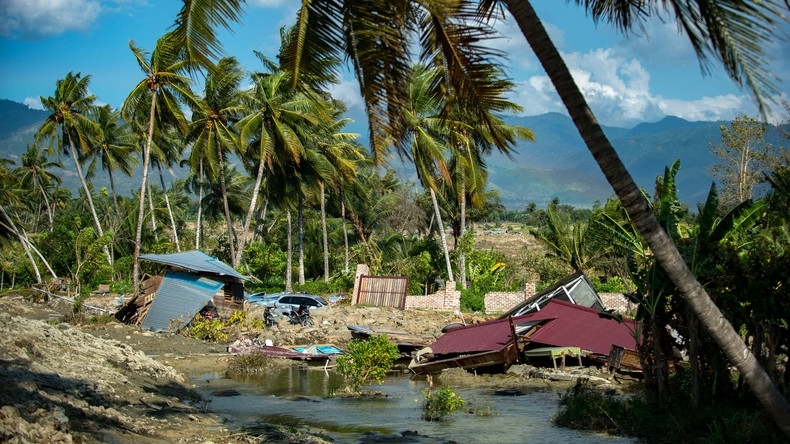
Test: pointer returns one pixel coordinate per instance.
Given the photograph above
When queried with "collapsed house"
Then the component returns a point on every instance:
(193, 282)
(561, 321)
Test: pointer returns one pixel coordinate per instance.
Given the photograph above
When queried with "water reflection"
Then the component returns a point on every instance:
(302, 397)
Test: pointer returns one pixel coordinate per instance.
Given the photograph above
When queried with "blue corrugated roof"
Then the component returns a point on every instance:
(179, 298)
(196, 261)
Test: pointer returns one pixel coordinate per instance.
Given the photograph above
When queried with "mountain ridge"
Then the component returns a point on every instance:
(557, 164)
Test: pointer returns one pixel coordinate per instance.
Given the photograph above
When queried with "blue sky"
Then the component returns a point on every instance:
(626, 80)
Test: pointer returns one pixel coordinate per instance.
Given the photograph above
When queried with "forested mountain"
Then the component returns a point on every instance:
(557, 164)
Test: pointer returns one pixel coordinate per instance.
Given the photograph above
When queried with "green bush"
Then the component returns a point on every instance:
(440, 403)
(205, 330)
(366, 361)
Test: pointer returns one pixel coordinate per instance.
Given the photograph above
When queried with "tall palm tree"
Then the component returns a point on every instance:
(160, 92)
(68, 109)
(9, 196)
(113, 149)
(268, 131)
(375, 37)
(211, 131)
(33, 173)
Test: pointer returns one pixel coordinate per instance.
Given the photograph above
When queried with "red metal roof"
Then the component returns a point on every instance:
(577, 326)
(563, 324)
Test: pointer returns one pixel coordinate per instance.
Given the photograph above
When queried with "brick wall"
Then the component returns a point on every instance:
(499, 301)
(616, 301)
(446, 299)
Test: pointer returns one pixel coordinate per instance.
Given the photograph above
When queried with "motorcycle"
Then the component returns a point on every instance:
(301, 316)
(268, 318)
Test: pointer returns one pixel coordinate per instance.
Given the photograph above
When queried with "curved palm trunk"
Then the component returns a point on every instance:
(326, 241)
(23, 241)
(199, 224)
(114, 194)
(253, 204)
(46, 202)
(228, 221)
(153, 211)
(169, 209)
(461, 254)
(289, 261)
(99, 230)
(143, 186)
(345, 232)
(300, 239)
(442, 236)
(638, 209)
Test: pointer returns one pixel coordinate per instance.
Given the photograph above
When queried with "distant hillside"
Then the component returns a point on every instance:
(557, 164)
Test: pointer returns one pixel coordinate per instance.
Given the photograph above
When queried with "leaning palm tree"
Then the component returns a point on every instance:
(379, 49)
(211, 131)
(159, 95)
(68, 108)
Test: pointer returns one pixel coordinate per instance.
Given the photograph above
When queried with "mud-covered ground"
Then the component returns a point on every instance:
(116, 383)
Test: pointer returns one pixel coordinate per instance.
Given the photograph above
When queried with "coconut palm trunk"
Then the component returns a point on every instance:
(326, 240)
(169, 209)
(442, 235)
(300, 238)
(143, 186)
(250, 211)
(12, 227)
(289, 261)
(226, 206)
(643, 218)
(461, 253)
(99, 230)
(199, 223)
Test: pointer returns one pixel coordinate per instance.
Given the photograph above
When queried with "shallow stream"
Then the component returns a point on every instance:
(301, 397)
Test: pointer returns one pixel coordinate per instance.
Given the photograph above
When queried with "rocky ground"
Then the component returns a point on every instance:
(110, 382)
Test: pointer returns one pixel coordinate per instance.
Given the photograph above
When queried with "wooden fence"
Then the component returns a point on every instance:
(382, 291)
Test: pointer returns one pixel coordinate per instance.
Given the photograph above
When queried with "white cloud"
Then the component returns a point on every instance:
(348, 92)
(35, 19)
(269, 3)
(33, 103)
(618, 91)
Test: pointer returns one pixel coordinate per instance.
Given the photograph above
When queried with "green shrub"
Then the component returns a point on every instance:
(440, 403)
(366, 361)
(205, 330)
(253, 363)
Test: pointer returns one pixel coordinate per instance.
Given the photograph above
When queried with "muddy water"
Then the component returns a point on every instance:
(301, 397)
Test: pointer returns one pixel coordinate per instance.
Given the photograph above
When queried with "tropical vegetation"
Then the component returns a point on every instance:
(275, 177)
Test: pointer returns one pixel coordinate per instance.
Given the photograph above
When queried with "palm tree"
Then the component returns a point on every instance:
(114, 147)
(68, 109)
(9, 195)
(211, 131)
(162, 89)
(33, 173)
(379, 48)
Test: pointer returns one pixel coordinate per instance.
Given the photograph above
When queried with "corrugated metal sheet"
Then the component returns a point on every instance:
(194, 260)
(577, 326)
(179, 298)
(563, 324)
(488, 336)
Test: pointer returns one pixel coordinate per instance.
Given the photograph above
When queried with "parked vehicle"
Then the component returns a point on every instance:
(264, 299)
(291, 301)
(301, 315)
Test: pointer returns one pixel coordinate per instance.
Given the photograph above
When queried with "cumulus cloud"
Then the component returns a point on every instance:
(618, 91)
(348, 92)
(36, 19)
(33, 103)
